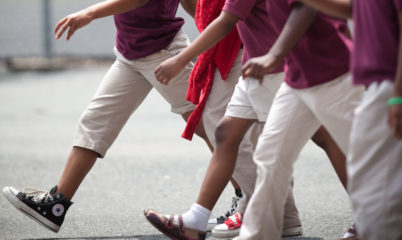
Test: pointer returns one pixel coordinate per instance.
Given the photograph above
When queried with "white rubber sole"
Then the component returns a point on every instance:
(211, 226)
(225, 233)
(10, 193)
(288, 232)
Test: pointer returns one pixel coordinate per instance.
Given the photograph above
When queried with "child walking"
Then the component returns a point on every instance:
(317, 90)
(211, 85)
(375, 152)
(249, 105)
(147, 34)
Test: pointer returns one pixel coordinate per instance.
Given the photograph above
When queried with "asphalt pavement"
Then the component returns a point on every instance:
(149, 166)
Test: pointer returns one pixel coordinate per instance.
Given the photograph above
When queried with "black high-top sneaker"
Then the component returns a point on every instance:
(45, 207)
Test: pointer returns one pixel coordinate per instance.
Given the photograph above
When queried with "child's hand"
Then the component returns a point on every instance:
(259, 66)
(72, 22)
(395, 120)
(167, 70)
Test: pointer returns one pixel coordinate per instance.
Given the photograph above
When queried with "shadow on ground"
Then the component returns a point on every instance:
(149, 237)
(133, 237)
(303, 238)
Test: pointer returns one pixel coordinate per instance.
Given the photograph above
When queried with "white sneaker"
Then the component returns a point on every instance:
(230, 228)
(213, 222)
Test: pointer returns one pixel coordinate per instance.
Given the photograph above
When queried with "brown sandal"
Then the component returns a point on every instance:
(172, 230)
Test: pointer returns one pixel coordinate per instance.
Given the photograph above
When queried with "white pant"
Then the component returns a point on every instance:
(375, 168)
(252, 100)
(123, 89)
(294, 117)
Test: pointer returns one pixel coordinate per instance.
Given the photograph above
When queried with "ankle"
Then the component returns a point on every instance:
(196, 217)
(67, 194)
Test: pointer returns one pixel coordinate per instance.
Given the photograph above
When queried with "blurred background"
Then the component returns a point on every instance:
(26, 34)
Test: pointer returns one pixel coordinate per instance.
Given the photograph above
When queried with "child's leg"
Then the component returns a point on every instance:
(79, 163)
(200, 130)
(333, 104)
(119, 94)
(219, 97)
(338, 160)
(289, 126)
(229, 134)
(245, 169)
(234, 183)
(214, 110)
(375, 168)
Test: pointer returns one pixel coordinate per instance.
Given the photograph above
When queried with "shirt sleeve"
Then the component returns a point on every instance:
(239, 8)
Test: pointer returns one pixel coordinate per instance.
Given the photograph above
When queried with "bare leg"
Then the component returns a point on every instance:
(229, 134)
(78, 165)
(234, 183)
(338, 160)
(81, 160)
(199, 131)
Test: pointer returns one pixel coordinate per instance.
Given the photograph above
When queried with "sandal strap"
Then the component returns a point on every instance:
(181, 224)
(170, 220)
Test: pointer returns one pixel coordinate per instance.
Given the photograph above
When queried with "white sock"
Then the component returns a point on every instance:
(196, 217)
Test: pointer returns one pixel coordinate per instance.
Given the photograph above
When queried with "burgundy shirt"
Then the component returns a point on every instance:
(147, 29)
(255, 28)
(375, 54)
(321, 55)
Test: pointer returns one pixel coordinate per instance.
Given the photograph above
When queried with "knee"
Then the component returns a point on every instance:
(222, 136)
(220, 133)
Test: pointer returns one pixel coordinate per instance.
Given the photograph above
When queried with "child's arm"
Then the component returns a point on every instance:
(296, 25)
(395, 110)
(79, 19)
(215, 31)
(189, 6)
(336, 8)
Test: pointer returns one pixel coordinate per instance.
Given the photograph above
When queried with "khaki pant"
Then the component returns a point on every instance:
(123, 89)
(375, 168)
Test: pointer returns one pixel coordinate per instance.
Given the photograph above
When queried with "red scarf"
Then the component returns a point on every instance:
(221, 56)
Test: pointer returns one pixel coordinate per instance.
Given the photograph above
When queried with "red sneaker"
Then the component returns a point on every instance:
(230, 228)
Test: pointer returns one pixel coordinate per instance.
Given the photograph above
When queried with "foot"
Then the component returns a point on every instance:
(46, 208)
(230, 228)
(351, 234)
(212, 223)
(168, 227)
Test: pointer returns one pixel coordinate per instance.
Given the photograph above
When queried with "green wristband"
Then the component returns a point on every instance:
(394, 101)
